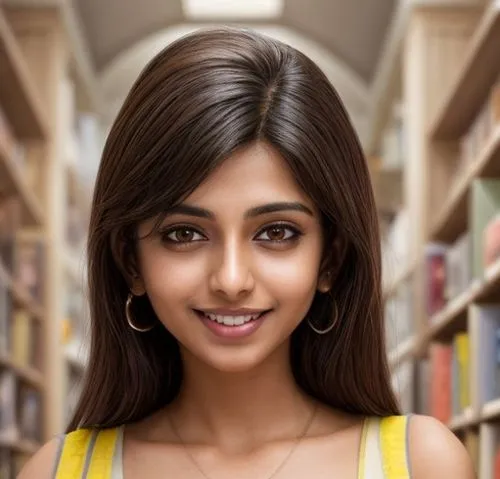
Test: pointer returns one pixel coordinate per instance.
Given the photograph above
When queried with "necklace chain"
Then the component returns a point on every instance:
(280, 466)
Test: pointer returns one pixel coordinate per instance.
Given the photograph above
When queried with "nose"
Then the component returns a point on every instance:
(231, 276)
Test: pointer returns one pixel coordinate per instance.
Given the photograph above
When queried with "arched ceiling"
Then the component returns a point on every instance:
(344, 37)
(116, 79)
(352, 30)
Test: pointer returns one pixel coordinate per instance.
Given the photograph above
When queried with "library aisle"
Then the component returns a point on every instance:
(434, 149)
(433, 145)
(48, 131)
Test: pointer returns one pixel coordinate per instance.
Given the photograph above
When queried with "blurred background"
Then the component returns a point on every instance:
(421, 82)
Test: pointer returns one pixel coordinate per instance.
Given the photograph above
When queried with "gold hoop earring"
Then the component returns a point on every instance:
(128, 315)
(330, 326)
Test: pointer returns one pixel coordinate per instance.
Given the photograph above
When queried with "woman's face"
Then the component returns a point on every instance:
(234, 269)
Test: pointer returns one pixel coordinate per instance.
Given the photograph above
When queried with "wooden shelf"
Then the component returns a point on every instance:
(18, 96)
(399, 278)
(491, 411)
(72, 266)
(20, 296)
(402, 352)
(480, 70)
(12, 183)
(452, 319)
(75, 356)
(18, 445)
(463, 421)
(388, 189)
(28, 374)
(488, 289)
(453, 217)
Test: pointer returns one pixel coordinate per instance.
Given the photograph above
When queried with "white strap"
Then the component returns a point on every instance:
(371, 463)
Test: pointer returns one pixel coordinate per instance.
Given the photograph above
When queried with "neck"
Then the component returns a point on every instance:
(232, 409)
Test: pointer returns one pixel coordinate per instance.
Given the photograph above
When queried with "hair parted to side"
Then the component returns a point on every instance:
(198, 101)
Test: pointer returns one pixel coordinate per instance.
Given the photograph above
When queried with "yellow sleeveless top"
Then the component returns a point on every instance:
(97, 454)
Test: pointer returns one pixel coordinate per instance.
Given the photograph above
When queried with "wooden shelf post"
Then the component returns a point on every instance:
(41, 37)
(432, 52)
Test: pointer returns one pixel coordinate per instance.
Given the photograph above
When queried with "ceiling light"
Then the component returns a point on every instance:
(232, 9)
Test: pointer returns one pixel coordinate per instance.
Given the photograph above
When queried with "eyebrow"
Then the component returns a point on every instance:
(189, 210)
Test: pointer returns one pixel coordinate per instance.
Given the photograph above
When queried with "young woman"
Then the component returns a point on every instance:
(234, 275)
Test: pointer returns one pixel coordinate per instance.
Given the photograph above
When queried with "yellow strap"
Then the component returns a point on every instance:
(73, 455)
(362, 449)
(102, 458)
(393, 443)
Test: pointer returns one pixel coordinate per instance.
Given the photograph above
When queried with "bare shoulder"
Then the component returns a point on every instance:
(435, 452)
(41, 465)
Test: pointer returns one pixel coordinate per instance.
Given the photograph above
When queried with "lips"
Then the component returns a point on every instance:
(232, 324)
(231, 317)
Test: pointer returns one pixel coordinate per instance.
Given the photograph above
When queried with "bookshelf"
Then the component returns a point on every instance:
(12, 183)
(452, 217)
(18, 96)
(388, 164)
(46, 105)
(477, 74)
(450, 86)
(24, 129)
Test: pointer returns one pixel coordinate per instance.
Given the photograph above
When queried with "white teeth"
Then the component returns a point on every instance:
(232, 320)
(239, 320)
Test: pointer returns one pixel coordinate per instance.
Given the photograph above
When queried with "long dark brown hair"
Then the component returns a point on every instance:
(198, 101)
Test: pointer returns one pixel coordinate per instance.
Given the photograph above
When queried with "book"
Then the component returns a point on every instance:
(494, 101)
(8, 416)
(484, 206)
(399, 325)
(5, 315)
(461, 343)
(10, 220)
(403, 384)
(29, 265)
(435, 278)
(497, 362)
(440, 401)
(423, 386)
(496, 464)
(492, 241)
(29, 414)
(394, 140)
(458, 266)
(22, 341)
(456, 407)
(485, 323)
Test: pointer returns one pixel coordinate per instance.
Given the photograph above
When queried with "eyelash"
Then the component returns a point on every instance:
(296, 233)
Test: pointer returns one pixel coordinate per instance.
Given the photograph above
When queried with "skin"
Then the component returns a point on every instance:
(239, 410)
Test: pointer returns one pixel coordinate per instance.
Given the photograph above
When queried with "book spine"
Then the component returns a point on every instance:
(441, 357)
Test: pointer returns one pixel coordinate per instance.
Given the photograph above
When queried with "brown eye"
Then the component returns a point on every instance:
(278, 233)
(182, 234)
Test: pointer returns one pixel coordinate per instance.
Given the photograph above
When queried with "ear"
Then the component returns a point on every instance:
(124, 255)
(138, 288)
(333, 258)
(324, 283)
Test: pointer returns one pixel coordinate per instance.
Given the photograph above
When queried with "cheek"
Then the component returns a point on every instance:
(170, 280)
(292, 279)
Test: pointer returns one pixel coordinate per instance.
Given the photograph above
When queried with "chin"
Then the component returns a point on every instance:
(234, 359)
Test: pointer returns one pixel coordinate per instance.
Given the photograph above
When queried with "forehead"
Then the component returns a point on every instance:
(253, 175)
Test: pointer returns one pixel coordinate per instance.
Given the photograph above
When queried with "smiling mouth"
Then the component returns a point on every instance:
(231, 320)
